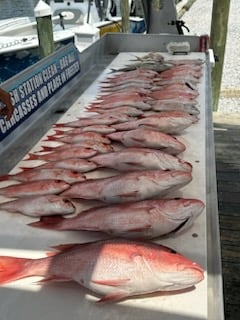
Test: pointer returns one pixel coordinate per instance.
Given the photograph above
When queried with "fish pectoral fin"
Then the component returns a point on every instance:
(129, 194)
(137, 139)
(52, 279)
(116, 296)
(139, 229)
(111, 282)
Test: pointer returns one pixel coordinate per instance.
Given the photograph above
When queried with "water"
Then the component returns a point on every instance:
(16, 8)
(12, 64)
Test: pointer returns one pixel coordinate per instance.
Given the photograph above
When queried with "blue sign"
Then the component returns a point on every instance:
(34, 86)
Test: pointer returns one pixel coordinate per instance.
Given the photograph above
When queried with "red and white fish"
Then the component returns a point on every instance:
(75, 164)
(147, 138)
(35, 174)
(169, 94)
(130, 111)
(93, 120)
(82, 136)
(113, 269)
(38, 206)
(169, 105)
(137, 103)
(74, 152)
(34, 188)
(69, 142)
(140, 220)
(98, 128)
(170, 124)
(129, 187)
(133, 159)
(130, 75)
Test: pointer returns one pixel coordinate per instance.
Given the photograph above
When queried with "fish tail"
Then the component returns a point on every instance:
(28, 168)
(12, 268)
(93, 109)
(59, 132)
(47, 148)
(59, 125)
(5, 177)
(52, 223)
(51, 138)
(32, 156)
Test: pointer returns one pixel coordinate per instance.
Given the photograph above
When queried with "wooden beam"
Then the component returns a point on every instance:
(218, 37)
(43, 14)
(124, 6)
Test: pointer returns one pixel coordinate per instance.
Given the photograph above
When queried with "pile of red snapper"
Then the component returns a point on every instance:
(131, 136)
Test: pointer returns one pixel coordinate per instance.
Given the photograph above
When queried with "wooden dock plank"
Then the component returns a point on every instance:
(227, 141)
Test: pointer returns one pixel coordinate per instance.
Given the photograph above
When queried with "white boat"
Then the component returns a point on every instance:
(78, 21)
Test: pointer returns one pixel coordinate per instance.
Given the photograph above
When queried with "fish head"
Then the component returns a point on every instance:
(183, 211)
(192, 209)
(173, 271)
(178, 178)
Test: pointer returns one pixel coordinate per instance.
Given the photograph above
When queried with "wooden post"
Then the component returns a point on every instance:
(218, 36)
(124, 6)
(43, 16)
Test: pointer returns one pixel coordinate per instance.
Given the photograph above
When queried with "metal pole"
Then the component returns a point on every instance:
(218, 37)
(43, 14)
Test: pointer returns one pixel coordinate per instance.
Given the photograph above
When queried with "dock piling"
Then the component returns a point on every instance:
(43, 14)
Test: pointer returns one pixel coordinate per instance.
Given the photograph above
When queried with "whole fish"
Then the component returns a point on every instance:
(82, 136)
(75, 164)
(145, 65)
(165, 105)
(74, 152)
(173, 114)
(158, 84)
(99, 128)
(107, 94)
(130, 111)
(187, 78)
(151, 56)
(35, 174)
(177, 94)
(69, 142)
(169, 101)
(139, 104)
(131, 75)
(38, 206)
(140, 220)
(93, 120)
(140, 81)
(129, 187)
(147, 138)
(166, 124)
(34, 188)
(180, 86)
(182, 70)
(113, 269)
(132, 159)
